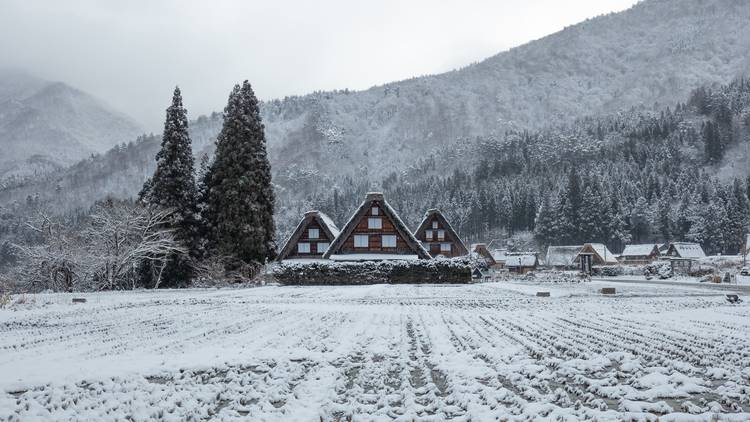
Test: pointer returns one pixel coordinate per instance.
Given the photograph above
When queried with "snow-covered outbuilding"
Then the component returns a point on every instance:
(375, 232)
(311, 238)
(594, 254)
(640, 254)
(480, 251)
(521, 263)
(685, 250)
(681, 256)
(500, 255)
(561, 257)
(438, 237)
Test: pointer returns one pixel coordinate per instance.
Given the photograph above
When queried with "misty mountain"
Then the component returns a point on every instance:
(650, 56)
(655, 52)
(44, 125)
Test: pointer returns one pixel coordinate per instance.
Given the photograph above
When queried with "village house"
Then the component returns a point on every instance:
(594, 254)
(499, 255)
(375, 232)
(479, 251)
(561, 257)
(311, 239)
(640, 254)
(438, 236)
(681, 256)
(521, 263)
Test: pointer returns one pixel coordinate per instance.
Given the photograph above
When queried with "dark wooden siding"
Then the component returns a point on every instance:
(305, 238)
(375, 240)
(433, 246)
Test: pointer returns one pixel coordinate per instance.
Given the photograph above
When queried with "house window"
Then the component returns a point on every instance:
(323, 247)
(374, 223)
(303, 247)
(375, 211)
(428, 234)
(361, 241)
(434, 224)
(445, 247)
(389, 240)
(441, 234)
(313, 233)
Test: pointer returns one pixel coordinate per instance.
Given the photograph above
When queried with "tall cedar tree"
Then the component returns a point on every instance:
(239, 197)
(172, 187)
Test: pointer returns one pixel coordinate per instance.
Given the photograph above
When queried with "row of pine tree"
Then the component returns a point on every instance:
(227, 213)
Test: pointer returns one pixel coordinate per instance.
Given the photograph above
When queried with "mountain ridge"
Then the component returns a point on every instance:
(53, 120)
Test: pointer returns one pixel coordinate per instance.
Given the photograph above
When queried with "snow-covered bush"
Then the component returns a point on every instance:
(101, 253)
(457, 270)
(702, 270)
(608, 271)
(557, 277)
(660, 269)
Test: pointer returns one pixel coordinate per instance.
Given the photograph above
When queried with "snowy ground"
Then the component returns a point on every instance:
(477, 352)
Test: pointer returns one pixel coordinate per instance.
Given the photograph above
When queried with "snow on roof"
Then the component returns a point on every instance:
(688, 250)
(325, 220)
(329, 222)
(371, 257)
(525, 260)
(604, 253)
(561, 256)
(639, 250)
(400, 226)
(434, 212)
(499, 254)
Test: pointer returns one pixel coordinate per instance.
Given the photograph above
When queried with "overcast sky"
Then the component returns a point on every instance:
(132, 53)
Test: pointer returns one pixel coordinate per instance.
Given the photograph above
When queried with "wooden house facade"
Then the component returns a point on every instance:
(592, 254)
(681, 256)
(521, 263)
(640, 254)
(438, 236)
(311, 239)
(375, 232)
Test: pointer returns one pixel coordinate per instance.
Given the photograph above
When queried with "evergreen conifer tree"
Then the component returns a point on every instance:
(239, 197)
(172, 188)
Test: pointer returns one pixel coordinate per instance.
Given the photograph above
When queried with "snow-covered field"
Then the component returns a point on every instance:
(477, 352)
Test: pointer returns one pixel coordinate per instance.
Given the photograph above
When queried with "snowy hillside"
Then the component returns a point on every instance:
(657, 51)
(53, 123)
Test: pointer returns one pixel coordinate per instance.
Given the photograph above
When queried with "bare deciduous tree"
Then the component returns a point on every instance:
(120, 236)
(103, 254)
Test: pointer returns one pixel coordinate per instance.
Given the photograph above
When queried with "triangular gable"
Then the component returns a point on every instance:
(403, 232)
(598, 250)
(481, 250)
(326, 225)
(450, 234)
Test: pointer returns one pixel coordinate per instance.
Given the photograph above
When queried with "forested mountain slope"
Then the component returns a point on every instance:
(492, 142)
(656, 52)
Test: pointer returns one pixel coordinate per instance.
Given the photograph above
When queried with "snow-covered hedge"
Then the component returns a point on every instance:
(660, 269)
(450, 271)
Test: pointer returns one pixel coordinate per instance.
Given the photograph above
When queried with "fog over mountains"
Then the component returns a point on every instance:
(47, 124)
(651, 55)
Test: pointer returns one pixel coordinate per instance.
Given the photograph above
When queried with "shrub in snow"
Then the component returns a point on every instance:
(456, 270)
(662, 270)
(701, 270)
(608, 271)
